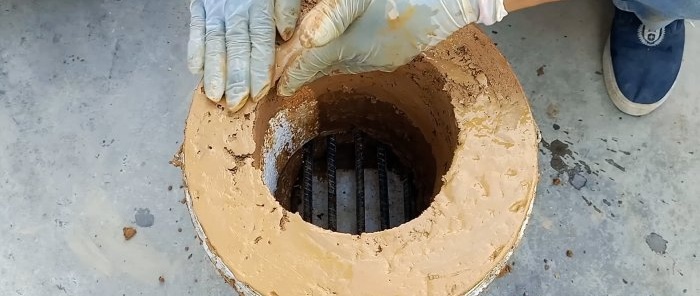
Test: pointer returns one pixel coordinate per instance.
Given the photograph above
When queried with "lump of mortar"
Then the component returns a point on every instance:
(128, 232)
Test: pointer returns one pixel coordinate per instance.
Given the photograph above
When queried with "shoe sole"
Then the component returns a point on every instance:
(616, 95)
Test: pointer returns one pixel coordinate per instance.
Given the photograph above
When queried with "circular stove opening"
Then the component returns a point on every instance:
(351, 181)
(358, 154)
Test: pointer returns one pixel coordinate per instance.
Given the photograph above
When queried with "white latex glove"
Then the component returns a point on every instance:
(354, 36)
(233, 41)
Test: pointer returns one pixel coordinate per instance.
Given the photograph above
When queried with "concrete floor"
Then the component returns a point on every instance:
(94, 95)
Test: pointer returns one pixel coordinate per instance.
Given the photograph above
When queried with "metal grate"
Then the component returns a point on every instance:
(381, 157)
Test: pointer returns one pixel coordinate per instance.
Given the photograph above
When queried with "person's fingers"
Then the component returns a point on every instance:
(237, 56)
(286, 15)
(310, 65)
(195, 47)
(329, 19)
(214, 54)
(214, 60)
(284, 54)
(262, 40)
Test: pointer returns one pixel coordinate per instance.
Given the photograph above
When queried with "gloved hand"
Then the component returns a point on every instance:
(353, 36)
(233, 41)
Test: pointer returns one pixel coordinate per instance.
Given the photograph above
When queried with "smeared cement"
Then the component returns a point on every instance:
(144, 218)
(656, 243)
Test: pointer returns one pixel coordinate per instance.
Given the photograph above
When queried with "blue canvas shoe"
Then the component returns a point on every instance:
(640, 65)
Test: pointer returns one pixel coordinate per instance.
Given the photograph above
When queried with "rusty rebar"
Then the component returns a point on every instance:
(331, 171)
(409, 202)
(359, 181)
(307, 182)
(382, 167)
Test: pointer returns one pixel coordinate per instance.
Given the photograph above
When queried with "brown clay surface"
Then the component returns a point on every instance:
(456, 246)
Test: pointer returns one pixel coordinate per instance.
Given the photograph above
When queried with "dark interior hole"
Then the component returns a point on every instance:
(398, 170)
(405, 116)
(325, 188)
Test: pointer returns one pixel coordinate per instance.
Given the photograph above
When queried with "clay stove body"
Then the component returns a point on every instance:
(456, 118)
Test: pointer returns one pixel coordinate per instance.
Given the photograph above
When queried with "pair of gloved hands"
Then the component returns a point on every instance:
(233, 41)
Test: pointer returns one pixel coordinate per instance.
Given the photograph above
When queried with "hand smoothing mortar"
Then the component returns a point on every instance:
(466, 102)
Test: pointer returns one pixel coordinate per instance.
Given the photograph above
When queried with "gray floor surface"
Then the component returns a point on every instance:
(94, 95)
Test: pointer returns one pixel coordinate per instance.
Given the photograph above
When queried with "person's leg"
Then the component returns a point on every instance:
(643, 55)
(513, 5)
(659, 13)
